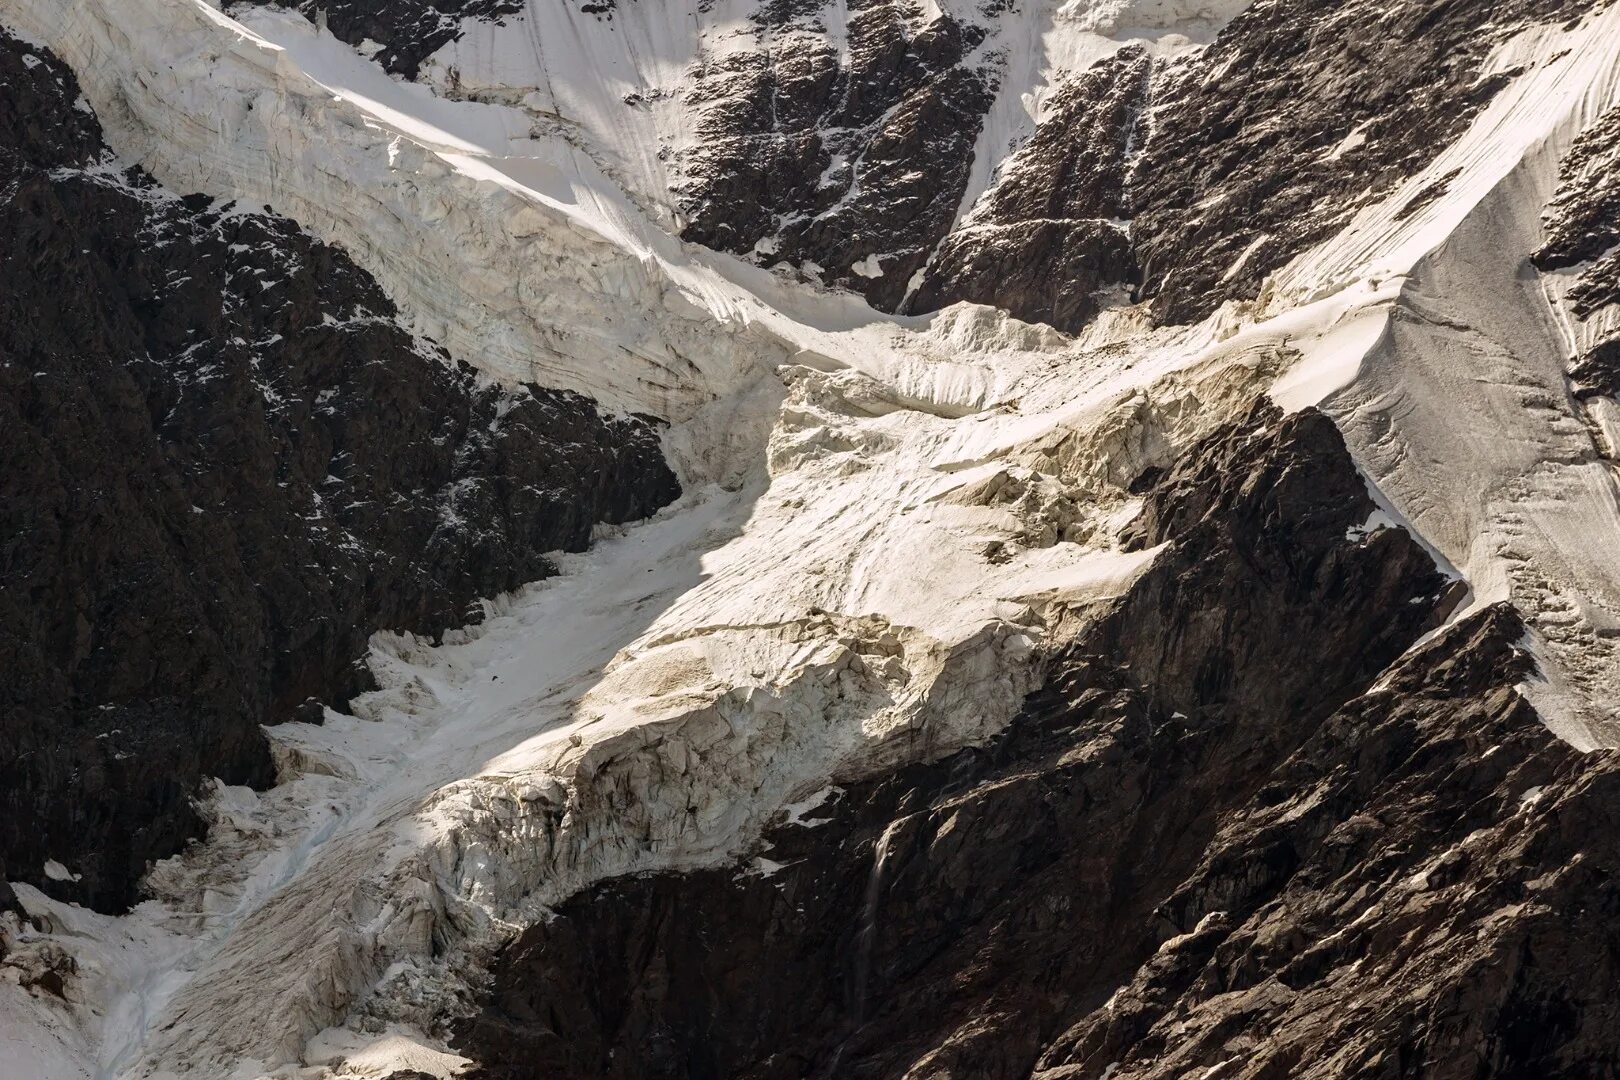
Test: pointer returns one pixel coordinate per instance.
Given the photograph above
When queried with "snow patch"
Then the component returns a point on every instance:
(869, 267)
(794, 813)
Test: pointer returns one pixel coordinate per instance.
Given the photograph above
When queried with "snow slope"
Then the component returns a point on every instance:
(889, 521)
(1459, 408)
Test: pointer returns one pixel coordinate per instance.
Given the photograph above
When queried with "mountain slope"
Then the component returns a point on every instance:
(1188, 648)
(238, 466)
(1343, 875)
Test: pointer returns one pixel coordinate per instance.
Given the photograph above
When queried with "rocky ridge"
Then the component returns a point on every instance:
(1054, 231)
(1296, 116)
(1240, 157)
(1582, 237)
(239, 467)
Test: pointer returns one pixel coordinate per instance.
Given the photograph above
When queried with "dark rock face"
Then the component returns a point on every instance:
(1232, 836)
(1426, 887)
(1250, 154)
(1583, 222)
(1583, 226)
(1597, 372)
(1189, 188)
(409, 31)
(231, 466)
(1053, 230)
(856, 167)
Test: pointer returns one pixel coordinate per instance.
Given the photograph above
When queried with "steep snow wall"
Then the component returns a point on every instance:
(626, 79)
(1458, 404)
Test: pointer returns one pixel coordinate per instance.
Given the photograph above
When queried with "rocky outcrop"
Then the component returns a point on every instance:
(1597, 370)
(398, 34)
(1188, 190)
(1054, 229)
(1583, 222)
(1234, 835)
(849, 162)
(1583, 231)
(1193, 187)
(238, 467)
(1426, 887)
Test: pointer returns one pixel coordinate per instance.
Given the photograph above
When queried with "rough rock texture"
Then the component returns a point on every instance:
(1054, 228)
(405, 32)
(1247, 154)
(237, 466)
(1424, 888)
(1226, 836)
(1240, 158)
(1583, 230)
(1583, 222)
(1299, 114)
(855, 163)
(1597, 370)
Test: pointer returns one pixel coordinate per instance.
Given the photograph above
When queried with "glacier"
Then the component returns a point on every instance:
(890, 521)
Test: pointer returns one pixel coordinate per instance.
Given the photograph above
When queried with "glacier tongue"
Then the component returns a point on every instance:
(879, 592)
(889, 521)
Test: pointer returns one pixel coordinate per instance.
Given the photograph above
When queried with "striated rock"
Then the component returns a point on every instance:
(1583, 222)
(1231, 162)
(1424, 888)
(238, 467)
(1597, 371)
(852, 160)
(956, 919)
(1191, 188)
(1054, 229)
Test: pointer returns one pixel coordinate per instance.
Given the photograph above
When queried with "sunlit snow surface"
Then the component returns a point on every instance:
(887, 520)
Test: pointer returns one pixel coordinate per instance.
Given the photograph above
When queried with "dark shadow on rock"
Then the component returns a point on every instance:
(228, 465)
